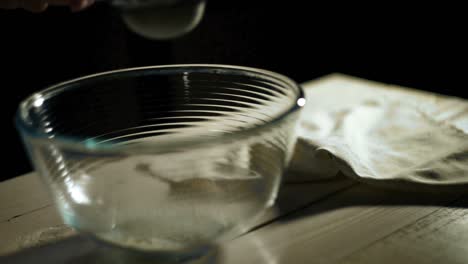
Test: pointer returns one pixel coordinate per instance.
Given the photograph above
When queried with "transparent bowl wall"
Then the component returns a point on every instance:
(167, 158)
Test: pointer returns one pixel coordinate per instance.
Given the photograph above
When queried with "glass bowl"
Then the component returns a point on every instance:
(164, 159)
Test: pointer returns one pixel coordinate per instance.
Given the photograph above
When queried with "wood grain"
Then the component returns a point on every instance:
(29, 209)
(348, 222)
(440, 237)
(22, 194)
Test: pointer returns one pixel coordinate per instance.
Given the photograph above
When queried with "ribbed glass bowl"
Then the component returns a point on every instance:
(166, 159)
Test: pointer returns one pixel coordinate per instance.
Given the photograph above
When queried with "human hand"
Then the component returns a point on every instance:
(41, 5)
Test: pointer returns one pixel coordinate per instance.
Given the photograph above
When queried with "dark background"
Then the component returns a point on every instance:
(419, 46)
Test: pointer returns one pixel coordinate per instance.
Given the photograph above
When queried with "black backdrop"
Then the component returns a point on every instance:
(417, 46)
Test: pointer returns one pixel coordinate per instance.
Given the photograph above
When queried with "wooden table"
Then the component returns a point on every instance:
(334, 221)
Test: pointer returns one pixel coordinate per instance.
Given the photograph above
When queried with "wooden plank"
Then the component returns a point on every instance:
(31, 229)
(34, 212)
(25, 208)
(335, 228)
(22, 194)
(440, 237)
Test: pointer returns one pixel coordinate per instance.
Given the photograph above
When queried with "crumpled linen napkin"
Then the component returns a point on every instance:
(380, 133)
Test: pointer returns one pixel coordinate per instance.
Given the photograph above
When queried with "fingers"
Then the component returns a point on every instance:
(78, 5)
(7, 4)
(41, 5)
(35, 6)
(59, 2)
(75, 5)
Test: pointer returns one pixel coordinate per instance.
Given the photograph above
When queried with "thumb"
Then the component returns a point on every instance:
(75, 5)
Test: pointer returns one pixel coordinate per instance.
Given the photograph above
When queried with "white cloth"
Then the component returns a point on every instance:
(377, 132)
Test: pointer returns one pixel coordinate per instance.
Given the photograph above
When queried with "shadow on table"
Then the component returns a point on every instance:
(79, 249)
(378, 193)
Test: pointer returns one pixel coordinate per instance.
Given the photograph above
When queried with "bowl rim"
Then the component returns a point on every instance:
(35, 134)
